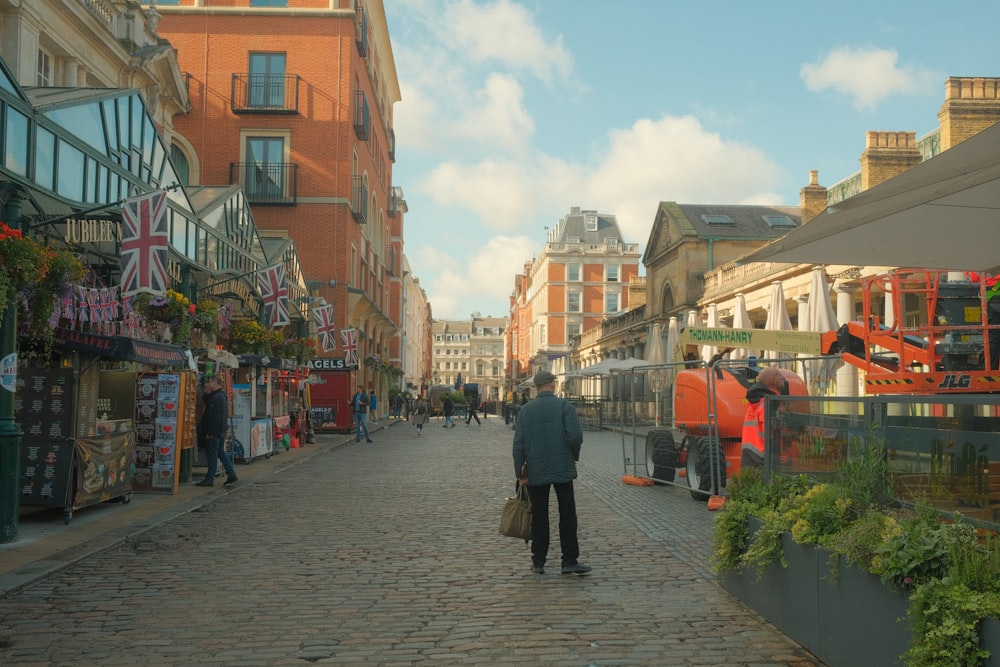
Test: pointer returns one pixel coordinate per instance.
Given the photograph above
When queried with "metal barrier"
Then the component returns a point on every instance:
(682, 425)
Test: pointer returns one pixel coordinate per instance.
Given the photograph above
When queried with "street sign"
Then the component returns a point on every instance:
(799, 342)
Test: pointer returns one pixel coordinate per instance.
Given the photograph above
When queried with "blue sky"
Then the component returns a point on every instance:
(513, 112)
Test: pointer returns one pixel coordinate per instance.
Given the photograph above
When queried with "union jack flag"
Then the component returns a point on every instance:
(274, 292)
(323, 316)
(144, 244)
(82, 310)
(350, 339)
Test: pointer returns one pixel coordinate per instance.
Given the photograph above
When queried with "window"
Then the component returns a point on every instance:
(268, 3)
(611, 303)
(267, 80)
(612, 273)
(611, 242)
(573, 302)
(43, 76)
(264, 177)
(717, 219)
(778, 221)
(181, 166)
(573, 272)
(590, 219)
(572, 330)
(541, 334)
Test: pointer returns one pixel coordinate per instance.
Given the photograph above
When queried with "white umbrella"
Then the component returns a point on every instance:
(675, 354)
(777, 320)
(693, 320)
(709, 351)
(741, 320)
(598, 369)
(655, 357)
(820, 317)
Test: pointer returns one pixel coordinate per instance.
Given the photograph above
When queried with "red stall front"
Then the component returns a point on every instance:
(330, 394)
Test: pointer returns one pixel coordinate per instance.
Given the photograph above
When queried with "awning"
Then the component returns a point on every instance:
(161, 355)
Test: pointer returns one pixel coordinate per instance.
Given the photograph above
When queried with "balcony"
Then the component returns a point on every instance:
(361, 30)
(265, 93)
(395, 199)
(362, 116)
(271, 183)
(392, 144)
(359, 200)
(391, 267)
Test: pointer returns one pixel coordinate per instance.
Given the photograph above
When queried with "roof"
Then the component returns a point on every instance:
(740, 222)
(574, 226)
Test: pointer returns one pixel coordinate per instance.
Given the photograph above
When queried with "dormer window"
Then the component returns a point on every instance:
(590, 220)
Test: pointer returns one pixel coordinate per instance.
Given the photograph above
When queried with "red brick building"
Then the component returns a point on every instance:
(293, 100)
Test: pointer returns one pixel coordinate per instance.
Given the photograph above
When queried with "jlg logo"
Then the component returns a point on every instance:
(955, 382)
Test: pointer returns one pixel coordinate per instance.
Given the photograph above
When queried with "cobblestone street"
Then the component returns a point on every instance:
(388, 554)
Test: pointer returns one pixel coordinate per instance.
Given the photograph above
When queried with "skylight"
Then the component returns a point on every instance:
(778, 221)
(717, 219)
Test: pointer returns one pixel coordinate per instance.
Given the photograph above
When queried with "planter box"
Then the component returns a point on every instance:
(853, 620)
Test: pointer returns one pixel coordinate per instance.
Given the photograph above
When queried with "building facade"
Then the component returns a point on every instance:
(581, 277)
(295, 104)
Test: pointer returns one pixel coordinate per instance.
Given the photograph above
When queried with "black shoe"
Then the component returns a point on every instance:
(370, 440)
(231, 480)
(538, 569)
(575, 568)
(205, 482)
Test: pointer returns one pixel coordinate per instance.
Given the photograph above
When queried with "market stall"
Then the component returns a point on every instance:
(79, 417)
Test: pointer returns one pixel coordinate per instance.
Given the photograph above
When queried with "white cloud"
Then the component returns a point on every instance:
(676, 159)
(505, 33)
(868, 75)
(483, 276)
(498, 117)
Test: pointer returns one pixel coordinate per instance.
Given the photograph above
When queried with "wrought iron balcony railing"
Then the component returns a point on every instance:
(265, 93)
(359, 200)
(266, 182)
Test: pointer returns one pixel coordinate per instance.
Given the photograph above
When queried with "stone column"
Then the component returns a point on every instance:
(847, 375)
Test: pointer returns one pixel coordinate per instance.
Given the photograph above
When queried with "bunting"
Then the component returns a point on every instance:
(350, 340)
(274, 293)
(144, 244)
(323, 316)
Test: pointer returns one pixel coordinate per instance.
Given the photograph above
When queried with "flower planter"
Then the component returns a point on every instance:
(989, 639)
(851, 620)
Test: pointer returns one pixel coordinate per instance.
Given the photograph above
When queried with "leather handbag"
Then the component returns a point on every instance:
(515, 520)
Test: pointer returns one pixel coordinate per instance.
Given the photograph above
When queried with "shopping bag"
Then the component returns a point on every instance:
(515, 520)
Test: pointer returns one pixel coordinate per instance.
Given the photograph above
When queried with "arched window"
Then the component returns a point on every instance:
(181, 166)
(667, 303)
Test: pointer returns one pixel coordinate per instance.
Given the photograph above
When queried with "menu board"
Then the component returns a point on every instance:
(43, 409)
(86, 401)
(105, 467)
(190, 391)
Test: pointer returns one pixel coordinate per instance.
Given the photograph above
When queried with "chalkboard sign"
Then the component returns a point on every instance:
(43, 409)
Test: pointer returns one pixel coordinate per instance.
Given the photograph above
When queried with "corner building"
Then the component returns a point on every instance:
(293, 100)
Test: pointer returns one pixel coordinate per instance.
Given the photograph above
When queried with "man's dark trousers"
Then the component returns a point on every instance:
(540, 522)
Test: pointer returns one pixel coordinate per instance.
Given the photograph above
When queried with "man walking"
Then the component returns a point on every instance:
(547, 440)
(360, 404)
(471, 412)
(448, 407)
(212, 432)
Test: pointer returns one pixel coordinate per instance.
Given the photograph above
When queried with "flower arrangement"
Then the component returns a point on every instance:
(248, 336)
(176, 311)
(34, 277)
(206, 316)
(300, 349)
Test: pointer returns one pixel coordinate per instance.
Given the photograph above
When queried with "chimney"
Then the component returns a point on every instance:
(971, 104)
(887, 154)
(812, 198)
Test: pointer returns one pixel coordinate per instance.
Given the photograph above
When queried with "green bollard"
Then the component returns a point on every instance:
(10, 437)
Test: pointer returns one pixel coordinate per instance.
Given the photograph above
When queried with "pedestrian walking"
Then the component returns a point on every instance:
(360, 405)
(470, 414)
(420, 413)
(547, 441)
(397, 405)
(448, 407)
(212, 432)
(372, 406)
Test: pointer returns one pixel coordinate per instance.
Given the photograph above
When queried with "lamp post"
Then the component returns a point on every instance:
(10, 433)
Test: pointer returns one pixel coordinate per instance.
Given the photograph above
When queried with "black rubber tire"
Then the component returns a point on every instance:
(701, 481)
(661, 455)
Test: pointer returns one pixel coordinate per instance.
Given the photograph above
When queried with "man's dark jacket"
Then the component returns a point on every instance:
(216, 416)
(547, 437)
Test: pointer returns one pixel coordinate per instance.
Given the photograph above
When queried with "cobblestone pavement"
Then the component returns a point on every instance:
(388, 554)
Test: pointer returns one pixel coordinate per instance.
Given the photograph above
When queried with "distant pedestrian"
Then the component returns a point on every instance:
(212, 432)
(547, 440)
(470, 414)
(448, 407)
(360, 405)
(420, 413)
(372, 406)
(397, 405)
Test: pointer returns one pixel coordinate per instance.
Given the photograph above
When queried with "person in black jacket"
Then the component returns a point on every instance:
(212, 432)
